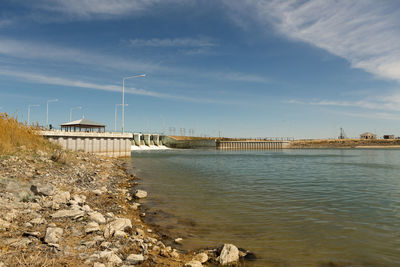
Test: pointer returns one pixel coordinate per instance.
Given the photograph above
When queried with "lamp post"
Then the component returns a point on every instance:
(115, 116)
(29, 112)
(70, 112)
(47, 110)
(123, 98)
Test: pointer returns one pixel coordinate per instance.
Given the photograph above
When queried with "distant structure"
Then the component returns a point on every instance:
(388, 136)
(367, 136)
(342, 134)
(83, 125)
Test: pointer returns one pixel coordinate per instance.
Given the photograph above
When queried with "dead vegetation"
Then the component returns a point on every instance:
(16, 136)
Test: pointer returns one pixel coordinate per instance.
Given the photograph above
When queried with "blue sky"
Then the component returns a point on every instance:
(245, 68)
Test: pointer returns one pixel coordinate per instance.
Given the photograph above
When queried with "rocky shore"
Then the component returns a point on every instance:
(70, 209)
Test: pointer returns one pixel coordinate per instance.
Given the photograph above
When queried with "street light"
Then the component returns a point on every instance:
(70, 112)
(47, 110)
(115, 116)
(123, 97)
(29, 112)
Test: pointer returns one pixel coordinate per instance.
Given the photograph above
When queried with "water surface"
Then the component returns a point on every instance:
(290, 207)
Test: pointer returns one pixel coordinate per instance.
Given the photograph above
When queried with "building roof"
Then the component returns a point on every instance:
(83, 121)
(367, 133)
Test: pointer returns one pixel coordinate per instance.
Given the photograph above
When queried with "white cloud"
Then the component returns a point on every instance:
(5, 22)
(174, 42)
(43, 51)
(44, 79)
(33, 50)
(390, 102)
(102, 8)
(366, 33)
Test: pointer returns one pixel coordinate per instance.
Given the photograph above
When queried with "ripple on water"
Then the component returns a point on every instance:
(292, 207)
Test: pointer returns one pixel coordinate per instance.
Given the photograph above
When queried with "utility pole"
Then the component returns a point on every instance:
(29, 112)
(47, 110)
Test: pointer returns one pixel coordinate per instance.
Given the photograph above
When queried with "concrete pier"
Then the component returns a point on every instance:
(137, 137)
(107, 144)
(252, 144)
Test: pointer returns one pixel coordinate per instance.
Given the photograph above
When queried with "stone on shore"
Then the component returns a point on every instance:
(92, 227)
(68, 213)
(4, 225)
(193, 263)
(201, 257)
(134, 258)
(97, 217)
(229, 254)
(119, 224)
(178, 240)
(53, 235)
(140, 194)
(42, 190)
(61, 198)
(111, 257)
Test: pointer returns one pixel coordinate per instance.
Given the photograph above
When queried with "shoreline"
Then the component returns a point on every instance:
(82, 209)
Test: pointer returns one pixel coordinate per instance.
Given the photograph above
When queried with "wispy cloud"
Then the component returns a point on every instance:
(88, 9)
(45, 51)
(389, 102)
(44, 79)
(366, 33)
(174, 42)
(5, 22)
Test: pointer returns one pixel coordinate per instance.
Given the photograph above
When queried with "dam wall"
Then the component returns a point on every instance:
(192, 143)
(252, 144)
(107, 144)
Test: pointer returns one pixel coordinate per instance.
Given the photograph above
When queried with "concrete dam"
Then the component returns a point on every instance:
(252, 144)
(121, 145)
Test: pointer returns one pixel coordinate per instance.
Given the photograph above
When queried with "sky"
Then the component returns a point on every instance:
(248, 68)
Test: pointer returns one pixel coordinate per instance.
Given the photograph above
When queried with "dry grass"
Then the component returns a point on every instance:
(15, 135)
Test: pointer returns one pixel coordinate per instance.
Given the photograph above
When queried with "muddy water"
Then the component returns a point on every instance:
(290, 207)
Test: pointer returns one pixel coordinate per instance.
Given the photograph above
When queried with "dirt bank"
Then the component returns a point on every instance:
(344, 143)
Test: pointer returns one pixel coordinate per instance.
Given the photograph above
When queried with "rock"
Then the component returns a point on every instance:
(34, 234)
(135, 206)
(229, 254)
(21, 243)
(140, 194)
(178, 240)
(134, 258)
(10, 215)
(175, 253)
(79, 199)
(92, 227)
(97, 192)
(62, 198)
(68, 213)
(4, 225)
(119, 224)
(120, 234)
(193, 263)
(105, 244)
(53, 234)
(111, 257)
(86, 208)
(38, 220)
(42, 190)
(201, 257)
(139, 233)
(98, 264)
(97, 217)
